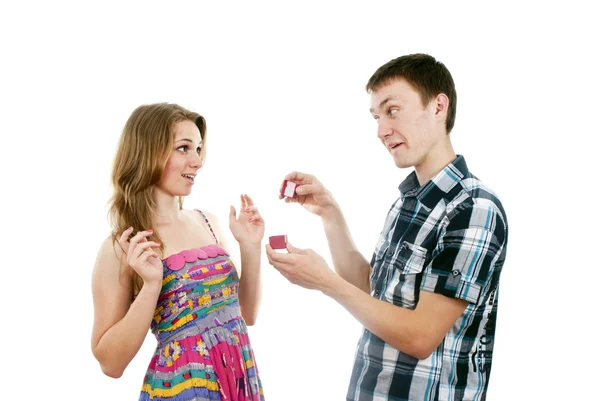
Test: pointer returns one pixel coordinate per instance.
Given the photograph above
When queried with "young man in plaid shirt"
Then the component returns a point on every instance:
(429, 296)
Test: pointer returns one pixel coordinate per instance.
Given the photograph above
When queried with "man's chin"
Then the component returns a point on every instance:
(403, 163)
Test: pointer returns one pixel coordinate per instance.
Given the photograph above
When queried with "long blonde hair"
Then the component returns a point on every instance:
(142, 155)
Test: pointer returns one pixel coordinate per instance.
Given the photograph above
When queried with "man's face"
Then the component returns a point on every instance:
(407, 129)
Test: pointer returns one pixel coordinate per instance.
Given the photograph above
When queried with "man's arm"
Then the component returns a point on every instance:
(415, 332)
(348, 262)
(459, 273)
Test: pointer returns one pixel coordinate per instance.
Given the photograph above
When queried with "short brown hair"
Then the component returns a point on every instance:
(428, 76)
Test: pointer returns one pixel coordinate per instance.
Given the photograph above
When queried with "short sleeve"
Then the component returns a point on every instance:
(467, 260)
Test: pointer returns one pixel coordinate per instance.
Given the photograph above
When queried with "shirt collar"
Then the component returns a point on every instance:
(436, 188)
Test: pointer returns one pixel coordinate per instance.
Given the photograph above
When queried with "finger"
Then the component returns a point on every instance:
(308, 189)
(142, 247)
(269, 251)
(283, 185)
(278, 257)
(138, 237)
(272, 256)
(249, 201)
(284, 270)
(302, 178)
(243, 202)
(251, 209)
(292, 249)
(231, 215)
(147, 254)
(124, 236)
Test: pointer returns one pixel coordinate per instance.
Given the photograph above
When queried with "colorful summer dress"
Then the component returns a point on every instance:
(203, 350)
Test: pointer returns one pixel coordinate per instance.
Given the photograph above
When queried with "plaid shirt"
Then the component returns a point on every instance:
(447, 237)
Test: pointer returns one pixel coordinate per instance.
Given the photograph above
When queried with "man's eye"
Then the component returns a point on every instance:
(376, 118)
(391, 112)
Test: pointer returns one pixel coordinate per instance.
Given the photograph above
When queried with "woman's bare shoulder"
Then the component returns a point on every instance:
(110, 254)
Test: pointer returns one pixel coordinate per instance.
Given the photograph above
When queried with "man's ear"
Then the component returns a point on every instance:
(442, 103)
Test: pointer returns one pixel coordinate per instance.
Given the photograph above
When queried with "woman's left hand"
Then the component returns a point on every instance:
(249, 227)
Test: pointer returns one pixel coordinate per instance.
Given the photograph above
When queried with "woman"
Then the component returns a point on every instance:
(163, 267)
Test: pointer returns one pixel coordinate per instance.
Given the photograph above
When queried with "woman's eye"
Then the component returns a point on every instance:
(198, 150)
(182, 148)
(391, 112)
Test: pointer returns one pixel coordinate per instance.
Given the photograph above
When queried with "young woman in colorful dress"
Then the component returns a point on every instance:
(167, 269)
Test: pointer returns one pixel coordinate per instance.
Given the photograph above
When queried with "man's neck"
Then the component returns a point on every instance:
(435, 161)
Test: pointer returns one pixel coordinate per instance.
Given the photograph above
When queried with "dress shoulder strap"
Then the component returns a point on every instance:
(209, 226)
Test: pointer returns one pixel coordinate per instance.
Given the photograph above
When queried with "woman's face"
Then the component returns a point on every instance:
(184, 161)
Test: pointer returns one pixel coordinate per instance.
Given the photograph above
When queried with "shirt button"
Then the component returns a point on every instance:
(455, 273)
(376, 293)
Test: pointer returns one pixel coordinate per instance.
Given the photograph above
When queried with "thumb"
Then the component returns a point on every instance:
(292, 249)
(308, 189)
(231, 214)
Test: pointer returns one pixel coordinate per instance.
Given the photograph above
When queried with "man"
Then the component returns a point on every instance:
(429, 296)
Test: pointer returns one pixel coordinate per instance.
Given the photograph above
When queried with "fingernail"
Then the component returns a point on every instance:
(149, 231)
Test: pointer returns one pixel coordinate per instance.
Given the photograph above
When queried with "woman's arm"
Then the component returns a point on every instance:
(250, 282)
(248, 230)
(120, 326)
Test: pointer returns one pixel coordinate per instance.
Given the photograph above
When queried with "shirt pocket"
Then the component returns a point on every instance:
(406, 263)
(409, 258)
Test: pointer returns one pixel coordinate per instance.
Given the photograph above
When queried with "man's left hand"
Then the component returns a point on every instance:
(303, 267)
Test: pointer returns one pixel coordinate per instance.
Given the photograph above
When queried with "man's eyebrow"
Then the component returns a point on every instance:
(383, 102)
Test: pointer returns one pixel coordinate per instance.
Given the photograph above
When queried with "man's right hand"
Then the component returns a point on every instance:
(312, 195)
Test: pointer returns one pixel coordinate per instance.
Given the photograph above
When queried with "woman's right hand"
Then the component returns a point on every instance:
(312, 195)
(141, 257)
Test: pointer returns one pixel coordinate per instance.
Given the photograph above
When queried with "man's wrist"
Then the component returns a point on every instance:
(332, 215)
(334, 286)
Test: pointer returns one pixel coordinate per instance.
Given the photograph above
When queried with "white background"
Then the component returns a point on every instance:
(282, 88)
